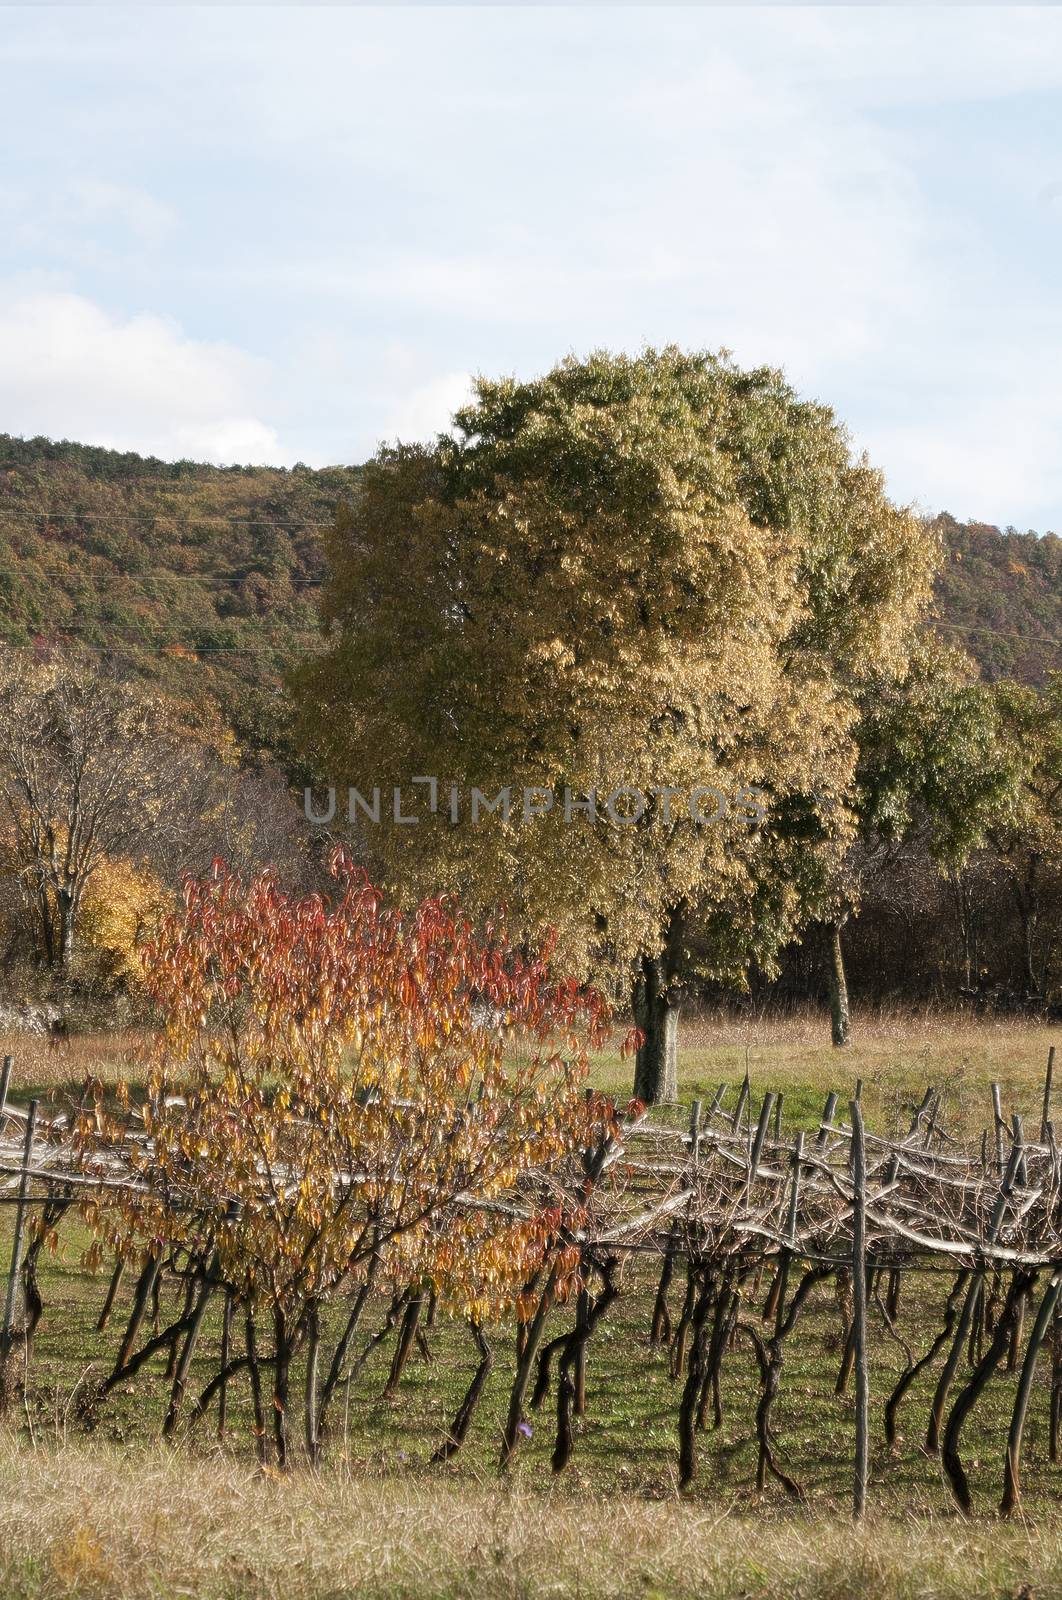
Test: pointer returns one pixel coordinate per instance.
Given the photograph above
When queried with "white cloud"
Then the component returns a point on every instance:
(70, 370)
(426, 409)
(84, 219)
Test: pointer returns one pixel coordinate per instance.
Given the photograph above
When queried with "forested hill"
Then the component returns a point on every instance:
(206, 578)
(1000, 594)
(203, 578)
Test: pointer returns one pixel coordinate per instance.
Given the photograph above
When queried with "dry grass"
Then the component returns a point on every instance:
(41, 1070)
(895, 1054)
(86, 1521)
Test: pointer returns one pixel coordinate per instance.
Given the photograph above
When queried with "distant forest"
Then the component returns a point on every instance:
(204, 581)
(201, 578)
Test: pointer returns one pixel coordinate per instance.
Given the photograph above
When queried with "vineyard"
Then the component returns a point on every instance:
(735, 1227)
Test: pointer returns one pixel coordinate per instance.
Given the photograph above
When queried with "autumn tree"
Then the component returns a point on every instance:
(109, 790)
(343, 1099)
(932, 773)
(1025, 837)
(640, 594)
(86, 774)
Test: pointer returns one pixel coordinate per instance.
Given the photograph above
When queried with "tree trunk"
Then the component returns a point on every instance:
(1027, 900)
(655, 1002)
(66, 903)
(656, 1013)
(964, 911)
(839, 1017)
(46, 924)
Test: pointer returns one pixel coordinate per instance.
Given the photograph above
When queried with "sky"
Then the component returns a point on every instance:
(291, 233)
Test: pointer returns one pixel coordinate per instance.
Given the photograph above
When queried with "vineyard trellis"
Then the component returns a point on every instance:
(745, 1223)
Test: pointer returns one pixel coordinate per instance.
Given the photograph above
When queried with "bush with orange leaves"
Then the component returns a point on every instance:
(345, 1098)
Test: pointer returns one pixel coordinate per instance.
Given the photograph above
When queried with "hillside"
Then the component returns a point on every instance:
(205, 578)
(1000, 594)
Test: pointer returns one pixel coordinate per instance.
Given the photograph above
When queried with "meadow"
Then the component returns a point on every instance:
(94, 1504)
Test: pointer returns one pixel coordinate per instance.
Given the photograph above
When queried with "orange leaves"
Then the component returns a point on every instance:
(335, 1082)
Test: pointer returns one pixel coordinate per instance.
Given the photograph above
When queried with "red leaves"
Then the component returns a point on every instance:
(353, 1080)
(633, 1040)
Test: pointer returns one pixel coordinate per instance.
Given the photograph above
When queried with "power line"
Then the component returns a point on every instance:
(212, 580)
(179, 650)
(153, 517)
(1000, 633)
(207, 579)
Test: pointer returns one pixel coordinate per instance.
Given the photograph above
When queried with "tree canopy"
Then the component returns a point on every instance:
(653, 577)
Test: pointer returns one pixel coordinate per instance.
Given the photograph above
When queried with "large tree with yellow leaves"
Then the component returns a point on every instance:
(640, 595)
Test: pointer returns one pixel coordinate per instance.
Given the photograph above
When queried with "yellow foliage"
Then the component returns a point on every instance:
(122, 906)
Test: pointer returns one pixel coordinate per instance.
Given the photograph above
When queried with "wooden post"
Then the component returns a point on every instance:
(794, 1193)
(20, 1228)
(743, 1096)
(859, 1309)
(5, 1082)
(1018, 1136)
(1046, 1115)
(695, 1131)
(827, 1117)
(1012, 1464)
(997, 1118)
(761, 1134)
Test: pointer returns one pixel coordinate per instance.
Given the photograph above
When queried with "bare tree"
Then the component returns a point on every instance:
(86, 763)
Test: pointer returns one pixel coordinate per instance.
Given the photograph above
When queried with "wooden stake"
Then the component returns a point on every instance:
(997, 1118)
(742, 1100)
(761, 1134)
(827, 1118)
(7, 1332)
(695, 1131)
(5, 1082)
(859, 1310)
(20, 1228)
(1046, 1114)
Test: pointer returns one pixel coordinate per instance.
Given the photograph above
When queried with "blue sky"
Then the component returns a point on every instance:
(288, 233)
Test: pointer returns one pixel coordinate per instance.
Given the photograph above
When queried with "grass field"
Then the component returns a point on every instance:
(896, 1055)
(114, 1514)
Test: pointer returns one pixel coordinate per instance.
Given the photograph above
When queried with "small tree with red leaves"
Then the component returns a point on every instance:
(345, 1097)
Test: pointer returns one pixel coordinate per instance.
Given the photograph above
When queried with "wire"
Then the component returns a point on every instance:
(153, 517)
(179, 650)
(1000, 633)
(210, 580)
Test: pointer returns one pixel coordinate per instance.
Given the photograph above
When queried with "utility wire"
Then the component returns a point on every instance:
(152, 517)
(210, 580)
